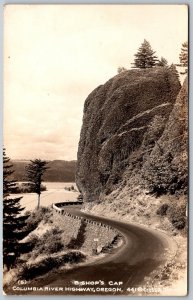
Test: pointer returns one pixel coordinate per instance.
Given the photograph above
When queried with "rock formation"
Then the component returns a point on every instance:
(123, 119)
(167, 165)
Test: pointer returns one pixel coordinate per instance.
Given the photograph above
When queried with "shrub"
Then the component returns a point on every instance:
(177, 216)
(36, 216)
(154, 131)
(70, 188)
(32, 271)
(162, 210)
(164, 176)
(50, 242)
(34, 239)
(121, 69)
(27, 187)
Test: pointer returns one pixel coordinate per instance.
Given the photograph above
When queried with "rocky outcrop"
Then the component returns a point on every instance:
(122, 121)
(166, 168)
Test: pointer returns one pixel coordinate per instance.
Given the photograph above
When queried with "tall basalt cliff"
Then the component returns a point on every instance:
(166, 168)
(117, 117)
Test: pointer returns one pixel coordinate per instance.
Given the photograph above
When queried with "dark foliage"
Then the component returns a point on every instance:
(49, 243)
(184, 57)
(26, 247)
(13, 222)
(35, 217)
(162, 62)
(50, 263)
(145, 57)
(177, 216)
(164, 176)
(35, 171)
(154, 132)
(162, 210)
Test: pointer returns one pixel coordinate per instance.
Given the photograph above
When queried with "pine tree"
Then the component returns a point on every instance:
(13, 222)
(174, 71)
(35, 171)
(184, 57)
(162, 62)
(145, 57)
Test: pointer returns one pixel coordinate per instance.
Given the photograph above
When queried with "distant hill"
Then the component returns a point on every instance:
(59, 170)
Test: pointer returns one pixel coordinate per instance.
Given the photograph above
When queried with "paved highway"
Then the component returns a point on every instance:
(141, 252)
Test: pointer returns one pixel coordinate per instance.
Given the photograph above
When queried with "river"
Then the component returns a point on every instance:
(55, 193)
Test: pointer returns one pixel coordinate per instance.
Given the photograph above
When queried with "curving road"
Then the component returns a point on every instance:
(142, 251)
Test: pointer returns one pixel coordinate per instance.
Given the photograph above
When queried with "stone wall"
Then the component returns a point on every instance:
(68, 224)
(84, 234)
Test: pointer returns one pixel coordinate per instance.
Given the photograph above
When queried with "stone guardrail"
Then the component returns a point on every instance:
(58, 208)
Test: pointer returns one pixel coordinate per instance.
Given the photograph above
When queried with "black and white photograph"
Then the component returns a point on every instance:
(95, 149)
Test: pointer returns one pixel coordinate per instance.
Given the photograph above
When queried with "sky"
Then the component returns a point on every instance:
(55, 55)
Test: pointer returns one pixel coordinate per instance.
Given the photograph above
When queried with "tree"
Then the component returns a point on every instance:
(172, 68)
(162, 62)
(35, 171)
(184, 57)
(145, 57)
(121, 69)
(13, 222)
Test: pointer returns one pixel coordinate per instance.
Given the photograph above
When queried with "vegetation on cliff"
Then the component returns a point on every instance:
(184, 57)
(145, 57)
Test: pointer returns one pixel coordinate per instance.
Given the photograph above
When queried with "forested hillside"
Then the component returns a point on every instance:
(59, 171)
